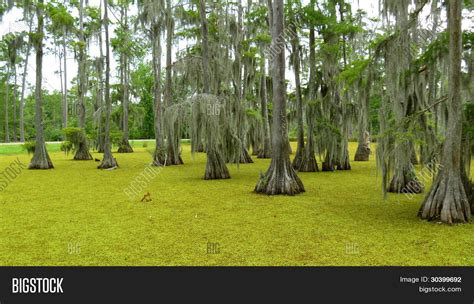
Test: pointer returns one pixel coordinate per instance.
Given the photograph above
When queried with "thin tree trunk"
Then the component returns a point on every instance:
(7, 97)
(14, 104)
(205, 48)
(125, 146)
(244, 157)
(447, 200)
(65, 104)
(265, 152)
(100, 128)
(23, 86)
(108, 161)
(159, 157)
(82, 152)
(40, 158)
(309, 163)
(173, 156)
(280, 178)
(363, 147)
(297, 161)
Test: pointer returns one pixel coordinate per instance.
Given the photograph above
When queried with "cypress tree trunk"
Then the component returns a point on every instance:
(298, 160)
(308, 163)
(23, 86)
(41, 158)
(108, 161)
(344, 163)
(100, 128)
(7, 97)
(447, 200)
(125, 146)
(159, 157)
(363, 147)
(215, 165)
(173, 156)
(82, 152)
(265, 152)
(280, 178)
(242, 122)
(14, 103)
(65, 104)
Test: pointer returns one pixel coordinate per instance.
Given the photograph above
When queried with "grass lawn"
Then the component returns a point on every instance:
(78, 215)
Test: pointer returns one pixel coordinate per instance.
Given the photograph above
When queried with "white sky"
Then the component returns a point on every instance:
(51, 77)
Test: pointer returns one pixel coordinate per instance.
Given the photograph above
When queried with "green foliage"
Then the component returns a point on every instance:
(74, 135)
(354, 71)
(116, 137)
(29, 146)
(253, 114)
(468, 122)
(66, 147)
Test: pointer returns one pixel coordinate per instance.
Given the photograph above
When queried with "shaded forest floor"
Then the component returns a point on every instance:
(78, 215)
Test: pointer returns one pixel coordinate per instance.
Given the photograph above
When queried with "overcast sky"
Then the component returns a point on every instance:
(51, 79)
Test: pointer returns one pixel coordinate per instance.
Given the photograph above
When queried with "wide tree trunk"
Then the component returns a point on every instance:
(108, 160)
(41, 159)
(280, 178)
(82, 153)
(363, 147)
(447, 200)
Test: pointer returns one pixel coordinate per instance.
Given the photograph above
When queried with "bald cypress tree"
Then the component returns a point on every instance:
(280, 177)
(41, 159)
(447, 200)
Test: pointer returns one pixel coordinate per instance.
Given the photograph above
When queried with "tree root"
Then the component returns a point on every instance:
(245, 157)
(447, 201)
(159, 158)
(344, 164)
(41, 159)
(280, 178)
(297, 161)
(125, 147)
(215, 166)
(108, 163)
(405, 182)
(82, 152)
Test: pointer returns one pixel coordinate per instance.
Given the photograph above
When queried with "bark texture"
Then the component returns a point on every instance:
(363, 148)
